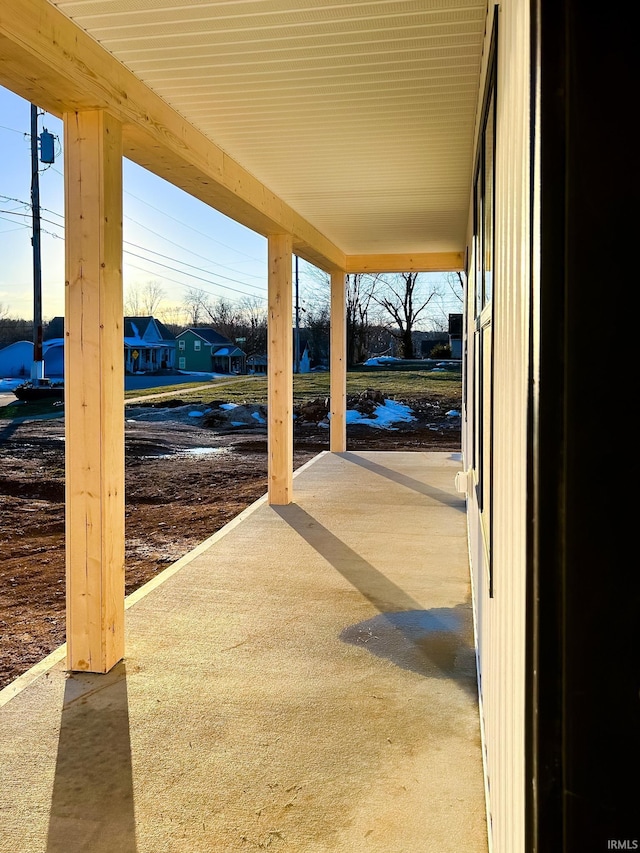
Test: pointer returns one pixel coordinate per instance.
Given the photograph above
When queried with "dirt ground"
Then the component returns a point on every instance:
(183, 482)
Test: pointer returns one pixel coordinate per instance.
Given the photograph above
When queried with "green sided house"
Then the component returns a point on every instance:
(206, 351)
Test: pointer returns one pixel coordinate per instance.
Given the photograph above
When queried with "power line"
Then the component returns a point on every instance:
(26, 225)
(151, 260)
(151, 251)
(184, 248)
(183, 223)
(191, 266)
(191, 228)
(13, 130)
(191, 275)
(183, 284)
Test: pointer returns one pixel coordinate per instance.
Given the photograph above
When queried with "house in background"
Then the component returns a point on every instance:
(425, 342)
(17, 358)
(259, 363)
(53, 354)
(455, 335)
(149, 346)
(203, 350)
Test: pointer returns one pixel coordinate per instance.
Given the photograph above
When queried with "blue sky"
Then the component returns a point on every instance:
(170, 237)
(164, 229)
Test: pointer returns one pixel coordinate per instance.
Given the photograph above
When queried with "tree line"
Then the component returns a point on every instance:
(379, 309)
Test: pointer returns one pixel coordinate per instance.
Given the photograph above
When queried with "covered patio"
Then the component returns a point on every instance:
(304, 681)
(311, 688)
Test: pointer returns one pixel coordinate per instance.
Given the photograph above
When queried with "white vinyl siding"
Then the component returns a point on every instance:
(495, 427)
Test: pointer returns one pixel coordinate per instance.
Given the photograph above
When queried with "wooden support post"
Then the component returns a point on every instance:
(338, 347)
(94, 391)
(280, 370)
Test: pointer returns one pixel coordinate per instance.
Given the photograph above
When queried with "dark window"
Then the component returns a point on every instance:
(484, 246)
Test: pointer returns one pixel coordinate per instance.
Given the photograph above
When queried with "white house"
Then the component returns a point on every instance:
(148, 345)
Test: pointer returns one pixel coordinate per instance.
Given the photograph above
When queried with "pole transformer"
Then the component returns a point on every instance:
(37, 370)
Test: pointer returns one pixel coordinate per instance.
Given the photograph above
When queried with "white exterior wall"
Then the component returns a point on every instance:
(500, 620)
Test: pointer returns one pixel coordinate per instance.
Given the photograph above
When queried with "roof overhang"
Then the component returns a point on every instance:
(350, 128)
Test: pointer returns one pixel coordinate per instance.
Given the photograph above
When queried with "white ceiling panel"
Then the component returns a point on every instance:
(360, 115)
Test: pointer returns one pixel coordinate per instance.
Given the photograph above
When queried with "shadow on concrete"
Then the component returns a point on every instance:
(92, 802)
(445, 498)
(432, 643)
(436, 643)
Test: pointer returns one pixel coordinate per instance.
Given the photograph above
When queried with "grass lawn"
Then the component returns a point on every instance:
(307, 386)
(22, 409)
(396, 383)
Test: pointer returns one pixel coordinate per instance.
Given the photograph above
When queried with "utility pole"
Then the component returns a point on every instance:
(37, 368)
(297, 336)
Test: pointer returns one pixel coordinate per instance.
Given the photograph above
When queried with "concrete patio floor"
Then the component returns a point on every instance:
(303, 681)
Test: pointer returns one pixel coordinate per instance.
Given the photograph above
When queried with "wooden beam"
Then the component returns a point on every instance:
(418, 262)
(338, 355)
(50, 61)
(280, 371)
(94, 391)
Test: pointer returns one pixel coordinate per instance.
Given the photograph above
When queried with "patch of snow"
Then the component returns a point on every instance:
(196, 414)
(228, 406)
(397, 411)
(9, 384)
(258, 417)
(437, 370)
(203, 375)
(380, 359)
(238, 423)
(453, 413)
(384, 416)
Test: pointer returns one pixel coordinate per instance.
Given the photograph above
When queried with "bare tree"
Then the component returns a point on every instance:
(449, 298)
(359, 302)
(244, 323)
(360, 289)
(455, 282)
(173, 316)
(404, 300)
(317, 323)
(224, 316)
(143, 300)
(253, 326)
(193, 303)
(13, 329)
